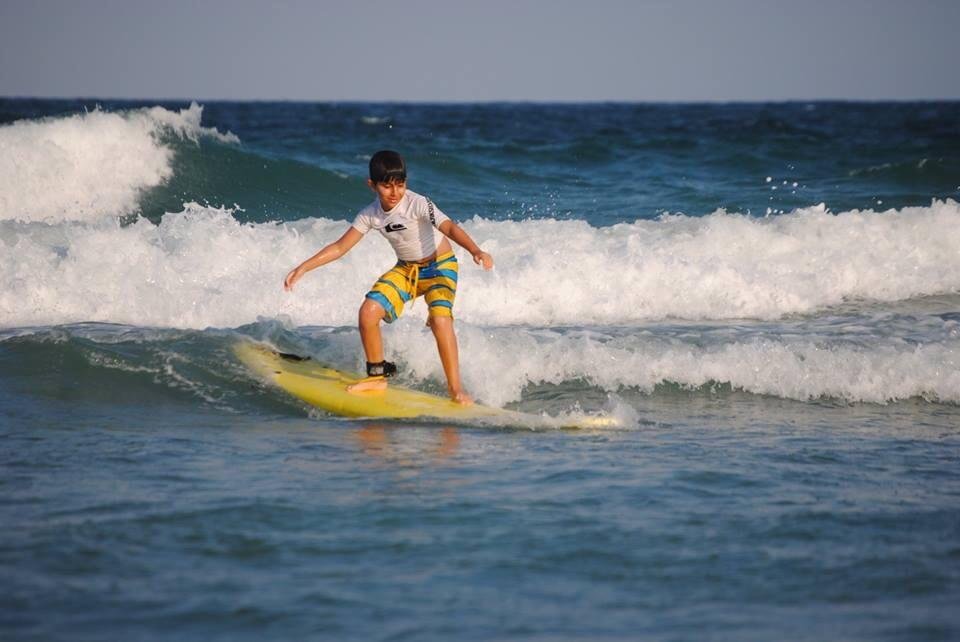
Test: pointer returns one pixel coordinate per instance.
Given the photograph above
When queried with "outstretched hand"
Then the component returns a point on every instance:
(484, 260)
(292, 277)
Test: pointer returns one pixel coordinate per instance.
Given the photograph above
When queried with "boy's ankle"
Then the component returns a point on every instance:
(381, 369)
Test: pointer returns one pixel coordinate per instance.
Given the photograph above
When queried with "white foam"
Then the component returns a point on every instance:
(200, 268)
(720, 266)
(794, 368)
(89, 166)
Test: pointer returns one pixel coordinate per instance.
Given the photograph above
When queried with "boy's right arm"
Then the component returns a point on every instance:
(328, 254)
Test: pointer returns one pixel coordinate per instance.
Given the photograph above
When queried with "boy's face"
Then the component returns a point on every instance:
(389, 193)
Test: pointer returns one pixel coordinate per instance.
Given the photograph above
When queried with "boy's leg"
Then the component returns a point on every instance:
(369, 318)
(438, 284)
(442, 327)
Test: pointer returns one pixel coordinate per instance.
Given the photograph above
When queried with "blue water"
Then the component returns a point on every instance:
(788, 375)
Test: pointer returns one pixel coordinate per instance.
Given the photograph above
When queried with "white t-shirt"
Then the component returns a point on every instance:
(412, 227)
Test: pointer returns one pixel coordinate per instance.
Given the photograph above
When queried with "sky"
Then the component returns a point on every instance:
(489, 50)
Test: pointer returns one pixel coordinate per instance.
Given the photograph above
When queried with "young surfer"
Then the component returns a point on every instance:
(420, 235)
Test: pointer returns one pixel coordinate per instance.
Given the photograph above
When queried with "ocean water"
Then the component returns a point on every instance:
(767, 296)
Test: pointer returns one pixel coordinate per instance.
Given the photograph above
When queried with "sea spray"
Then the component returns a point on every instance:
(200, 267)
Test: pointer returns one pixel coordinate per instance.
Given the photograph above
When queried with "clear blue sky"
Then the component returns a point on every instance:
(435, 50)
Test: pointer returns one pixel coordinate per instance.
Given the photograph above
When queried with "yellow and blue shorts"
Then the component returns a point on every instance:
(436, 281)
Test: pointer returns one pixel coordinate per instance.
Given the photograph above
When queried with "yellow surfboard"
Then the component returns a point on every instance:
(326, 388)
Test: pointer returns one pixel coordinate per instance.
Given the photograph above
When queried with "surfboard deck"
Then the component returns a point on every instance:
(326, 388)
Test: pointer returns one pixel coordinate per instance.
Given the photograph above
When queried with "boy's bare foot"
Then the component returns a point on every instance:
(461, 398)
(370, 384)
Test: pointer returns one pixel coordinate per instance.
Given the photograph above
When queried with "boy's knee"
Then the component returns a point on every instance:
(438, 322)
(370, 313)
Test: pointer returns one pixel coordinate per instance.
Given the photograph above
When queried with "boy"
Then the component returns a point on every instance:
(426, 265)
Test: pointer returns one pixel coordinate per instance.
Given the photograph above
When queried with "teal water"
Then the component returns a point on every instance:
(727, 517)
(788, 375)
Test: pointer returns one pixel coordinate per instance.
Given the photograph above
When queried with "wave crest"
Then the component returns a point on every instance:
(90, 166)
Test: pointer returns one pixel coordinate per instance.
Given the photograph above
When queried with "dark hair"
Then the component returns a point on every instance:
(387, 166)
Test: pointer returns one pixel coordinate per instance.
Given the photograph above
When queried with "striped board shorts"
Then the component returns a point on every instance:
(436, 281)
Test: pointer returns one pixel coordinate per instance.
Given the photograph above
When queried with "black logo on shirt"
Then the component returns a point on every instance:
(395, 227)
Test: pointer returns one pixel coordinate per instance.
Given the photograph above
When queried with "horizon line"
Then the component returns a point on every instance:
(522, 101)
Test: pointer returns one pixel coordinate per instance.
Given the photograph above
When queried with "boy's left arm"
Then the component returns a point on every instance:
(456, 234)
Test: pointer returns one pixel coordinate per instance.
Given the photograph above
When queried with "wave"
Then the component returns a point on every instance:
(201, 267)
(787, 367)
(93, 165)
(551, 369)
(268, 187)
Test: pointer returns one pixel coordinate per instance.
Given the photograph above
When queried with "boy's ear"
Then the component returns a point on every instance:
(371, 185)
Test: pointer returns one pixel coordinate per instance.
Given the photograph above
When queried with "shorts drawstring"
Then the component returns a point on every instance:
(415, 280)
